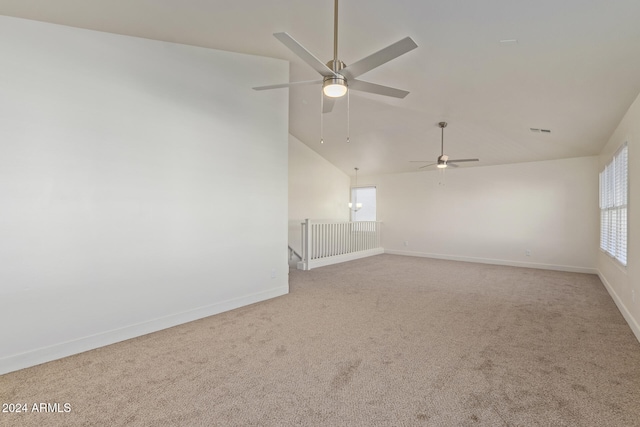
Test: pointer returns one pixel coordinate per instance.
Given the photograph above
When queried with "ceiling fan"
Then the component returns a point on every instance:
(443, 160)
(337, 77)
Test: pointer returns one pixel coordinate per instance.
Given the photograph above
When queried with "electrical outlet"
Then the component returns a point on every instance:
(406, 243)
(527, 252)
(273, 273)
(633, 295)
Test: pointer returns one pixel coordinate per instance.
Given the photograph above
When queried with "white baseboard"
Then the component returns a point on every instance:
(569, 268)
(340, 258)
(58, 351)
(633, 323)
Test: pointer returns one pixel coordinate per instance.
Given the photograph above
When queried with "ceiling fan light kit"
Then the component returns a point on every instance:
(442, 161)
(334, 86)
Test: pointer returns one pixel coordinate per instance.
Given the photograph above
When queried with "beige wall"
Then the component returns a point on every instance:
(317, 190)
(495, 214)
(623, 283)
(138, 180)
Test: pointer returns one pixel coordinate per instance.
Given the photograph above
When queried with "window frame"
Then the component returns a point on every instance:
(613, 182)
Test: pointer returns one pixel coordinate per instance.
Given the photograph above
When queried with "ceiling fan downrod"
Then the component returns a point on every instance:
(335, 85)
(442, 126)
(335, 32)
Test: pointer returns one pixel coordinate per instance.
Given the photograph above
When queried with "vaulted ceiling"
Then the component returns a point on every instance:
(492, 69)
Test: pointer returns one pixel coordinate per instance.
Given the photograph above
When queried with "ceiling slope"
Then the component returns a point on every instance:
(493, 70)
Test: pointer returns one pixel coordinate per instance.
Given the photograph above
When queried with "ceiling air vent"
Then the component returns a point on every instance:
(538, 130)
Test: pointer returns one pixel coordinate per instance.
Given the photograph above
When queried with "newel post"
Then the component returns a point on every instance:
(306, 243)
(309, 241)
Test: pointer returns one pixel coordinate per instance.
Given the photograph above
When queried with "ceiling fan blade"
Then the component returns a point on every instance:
(377, 89)
(419, 161)
(304, 54)
(426, 166)
(463, 160)
(380, 57)
(451, 165)
(306, 82)
(327, 104)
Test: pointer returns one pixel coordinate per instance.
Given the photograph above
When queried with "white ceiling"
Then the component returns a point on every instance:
(575, 69)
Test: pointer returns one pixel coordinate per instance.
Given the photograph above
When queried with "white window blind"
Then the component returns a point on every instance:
(613, 206)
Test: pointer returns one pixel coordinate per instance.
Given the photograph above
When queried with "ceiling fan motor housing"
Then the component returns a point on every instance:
(336, 65)
(336, 85)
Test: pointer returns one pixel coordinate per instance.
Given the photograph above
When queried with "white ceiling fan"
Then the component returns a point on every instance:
(337, 77)
(443, 160)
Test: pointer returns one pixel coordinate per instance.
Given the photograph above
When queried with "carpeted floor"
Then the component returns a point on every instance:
(382, 341)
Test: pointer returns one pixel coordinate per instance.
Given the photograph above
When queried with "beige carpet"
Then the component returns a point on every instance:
(383, 341)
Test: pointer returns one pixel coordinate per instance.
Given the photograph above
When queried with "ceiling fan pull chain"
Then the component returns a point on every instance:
(348, 117)
(321, 118)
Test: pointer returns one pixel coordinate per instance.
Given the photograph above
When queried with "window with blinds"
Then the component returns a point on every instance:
(366, 198)
(613, 206)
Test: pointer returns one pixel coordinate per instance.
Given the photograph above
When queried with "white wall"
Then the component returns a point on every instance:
(623, 283)
(317, 190)
(138, 180)
(494, 214)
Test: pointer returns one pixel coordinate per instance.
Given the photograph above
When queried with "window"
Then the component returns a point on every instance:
(367, 197)
(613, 206)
